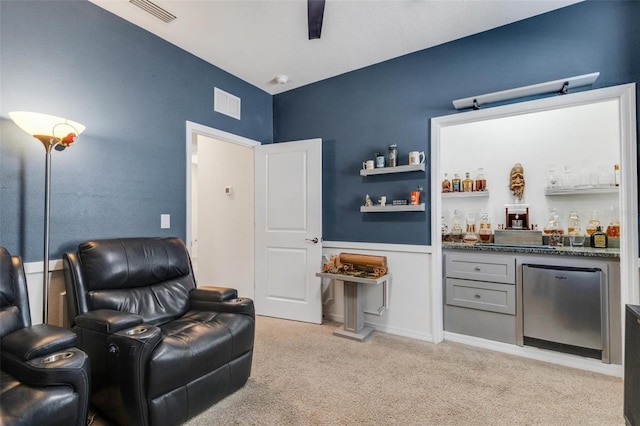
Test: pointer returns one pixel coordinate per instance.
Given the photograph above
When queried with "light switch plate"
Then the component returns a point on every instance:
(165, 221)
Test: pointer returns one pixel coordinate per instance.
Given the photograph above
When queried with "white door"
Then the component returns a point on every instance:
(288, 185)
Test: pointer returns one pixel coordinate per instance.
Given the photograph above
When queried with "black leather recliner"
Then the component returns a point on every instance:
(45, 380)
(162, 349)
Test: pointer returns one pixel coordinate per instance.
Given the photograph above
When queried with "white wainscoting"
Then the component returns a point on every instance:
(409, 302)
(57, 307)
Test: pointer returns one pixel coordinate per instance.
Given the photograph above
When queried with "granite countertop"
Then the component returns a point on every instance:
(556, 251)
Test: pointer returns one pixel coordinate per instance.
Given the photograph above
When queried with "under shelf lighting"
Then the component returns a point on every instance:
(559, 86)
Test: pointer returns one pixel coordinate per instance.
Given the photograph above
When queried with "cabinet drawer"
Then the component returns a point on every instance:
(492, 268)
(487, 325)
(493, 297)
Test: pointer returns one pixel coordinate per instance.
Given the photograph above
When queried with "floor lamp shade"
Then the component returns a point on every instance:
(52, 132)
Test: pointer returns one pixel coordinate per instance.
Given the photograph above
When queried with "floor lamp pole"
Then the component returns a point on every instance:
(44, 127)
(45, 278)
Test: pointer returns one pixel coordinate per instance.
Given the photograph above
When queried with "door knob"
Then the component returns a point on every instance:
(314, 240)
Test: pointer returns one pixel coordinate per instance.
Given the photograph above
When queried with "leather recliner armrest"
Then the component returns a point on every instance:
(214, 294)
(107, 321)
(202, 299)
(37, 340)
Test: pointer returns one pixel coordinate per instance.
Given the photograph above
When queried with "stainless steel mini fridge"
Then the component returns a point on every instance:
(567, 306)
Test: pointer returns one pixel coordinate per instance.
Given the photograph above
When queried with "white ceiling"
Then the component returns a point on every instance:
(256, 40)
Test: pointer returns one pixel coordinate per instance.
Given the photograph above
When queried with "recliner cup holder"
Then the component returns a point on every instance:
(135, 331)
(56, 357)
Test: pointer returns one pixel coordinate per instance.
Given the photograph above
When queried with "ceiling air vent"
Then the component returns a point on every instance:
(154, 9)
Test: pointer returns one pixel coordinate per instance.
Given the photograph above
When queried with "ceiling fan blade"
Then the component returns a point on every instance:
(315, 12)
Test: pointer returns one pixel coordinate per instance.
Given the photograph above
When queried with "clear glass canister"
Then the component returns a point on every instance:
(613, 229)
(393, 155)
(485, 227)
(594, 222)
(456, 227)
(471, 234)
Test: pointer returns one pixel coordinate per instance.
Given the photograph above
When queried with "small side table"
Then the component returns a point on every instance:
(354, 304)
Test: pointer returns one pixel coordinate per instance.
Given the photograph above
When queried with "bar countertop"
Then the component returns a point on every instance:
(531, 249)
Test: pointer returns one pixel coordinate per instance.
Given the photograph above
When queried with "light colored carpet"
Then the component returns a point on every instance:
(303, 375)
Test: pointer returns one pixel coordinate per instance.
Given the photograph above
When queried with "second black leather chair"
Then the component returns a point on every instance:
(163, 350)
(45, 379)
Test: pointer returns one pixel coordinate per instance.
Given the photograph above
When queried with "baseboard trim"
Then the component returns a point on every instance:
(427, 337)
(566, 360)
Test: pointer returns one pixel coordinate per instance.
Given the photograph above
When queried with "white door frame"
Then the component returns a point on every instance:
(625, 95)
(193, 130)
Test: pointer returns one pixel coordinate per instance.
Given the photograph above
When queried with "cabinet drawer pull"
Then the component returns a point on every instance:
(477, 268)
(477, 296)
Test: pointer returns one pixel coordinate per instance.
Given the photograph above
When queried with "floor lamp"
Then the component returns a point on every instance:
(53, 132)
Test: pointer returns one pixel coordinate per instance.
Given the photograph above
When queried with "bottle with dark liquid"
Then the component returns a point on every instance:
(481, 183)
(456, 183)
(598, 239)
(467, 183)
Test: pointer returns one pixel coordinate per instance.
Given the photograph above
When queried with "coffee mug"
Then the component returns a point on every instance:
(416, 157)
(368, 165)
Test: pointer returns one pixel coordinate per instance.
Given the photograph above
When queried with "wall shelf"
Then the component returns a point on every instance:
(397, 169)
(391, 208)
(465, 194)
(583, 191)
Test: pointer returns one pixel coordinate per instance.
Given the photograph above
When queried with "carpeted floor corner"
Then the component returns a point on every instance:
(303, 375)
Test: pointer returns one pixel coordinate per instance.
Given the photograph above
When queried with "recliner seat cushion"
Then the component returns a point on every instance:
(195, 345)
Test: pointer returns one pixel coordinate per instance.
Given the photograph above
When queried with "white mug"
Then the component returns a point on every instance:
(416, 157)
(368, 165)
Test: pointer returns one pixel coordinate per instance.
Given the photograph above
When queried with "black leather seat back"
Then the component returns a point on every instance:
(14, 301)
(151, 277)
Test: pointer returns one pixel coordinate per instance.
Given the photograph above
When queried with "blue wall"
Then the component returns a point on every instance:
(364, 111)
(75, 60)
(133, 92)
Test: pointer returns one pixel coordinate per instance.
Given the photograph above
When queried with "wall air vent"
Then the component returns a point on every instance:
(225, 103)
(154, 9)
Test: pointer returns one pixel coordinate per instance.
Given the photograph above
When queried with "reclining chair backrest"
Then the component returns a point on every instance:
(151, 277)
(14, 300)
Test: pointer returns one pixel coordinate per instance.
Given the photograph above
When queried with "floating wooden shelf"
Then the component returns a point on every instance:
(391, 208)
(397, 169)
(585, 191)
(465, 194)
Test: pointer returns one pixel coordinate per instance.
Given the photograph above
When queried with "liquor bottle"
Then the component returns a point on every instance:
(481, 183)
(485, 227)
(467, 183)
(598, 239)
(594, 222)
(455, 183)
(446, 183)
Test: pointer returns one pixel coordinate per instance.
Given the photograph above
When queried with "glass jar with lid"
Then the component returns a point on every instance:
(574, 229)
(456, 227)
(613, 229)
(393, 155)
(471, 234)
(594, 222)
(484, 233)
(553, 229)
(446, 235)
